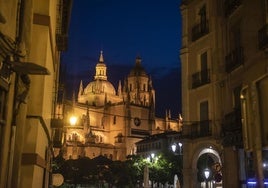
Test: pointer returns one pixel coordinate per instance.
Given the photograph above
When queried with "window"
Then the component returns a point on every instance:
(204, 119)
(236, 97)
(204, 111)
(204, 67)
(235, 56)
(235, 37)
(201, 28)
(203, 18)
(201, 77)
(203, 59)
(114, 120)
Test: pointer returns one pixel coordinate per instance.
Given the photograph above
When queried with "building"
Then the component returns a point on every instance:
(110, 121)
(224, 84)
(32, 35)
(157, 143)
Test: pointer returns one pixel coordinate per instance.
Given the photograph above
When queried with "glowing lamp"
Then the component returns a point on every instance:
(206, 173)
(73, 120)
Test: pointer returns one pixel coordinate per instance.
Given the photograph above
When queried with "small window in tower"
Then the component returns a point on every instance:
(130, 87)
(114, 119)
(144, 87)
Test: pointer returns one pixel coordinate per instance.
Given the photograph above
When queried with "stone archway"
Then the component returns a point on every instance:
(193, 153)
(212, 157)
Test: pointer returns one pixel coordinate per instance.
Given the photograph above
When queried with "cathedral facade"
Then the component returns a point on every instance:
(109, 121)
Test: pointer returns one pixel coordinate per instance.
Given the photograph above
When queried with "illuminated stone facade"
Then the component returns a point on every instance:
(111, 121)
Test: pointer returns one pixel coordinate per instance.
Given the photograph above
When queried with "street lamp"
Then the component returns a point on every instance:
(73, 120)
(180, 145)
(174, 148)
(180, 156)
(152, 155)
(207, 174)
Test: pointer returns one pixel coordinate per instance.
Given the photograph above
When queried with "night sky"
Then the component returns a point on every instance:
(123, 30)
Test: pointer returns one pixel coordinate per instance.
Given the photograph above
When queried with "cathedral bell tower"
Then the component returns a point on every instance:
(101, 69)
(139, 86)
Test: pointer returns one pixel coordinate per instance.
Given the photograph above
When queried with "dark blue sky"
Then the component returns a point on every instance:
(123, 29)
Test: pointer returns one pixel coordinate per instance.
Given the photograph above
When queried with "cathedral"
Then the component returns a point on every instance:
(108, 121)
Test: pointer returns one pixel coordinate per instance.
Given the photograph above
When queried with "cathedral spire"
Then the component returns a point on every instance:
(119, 91)
(101, 59)
(80, 92)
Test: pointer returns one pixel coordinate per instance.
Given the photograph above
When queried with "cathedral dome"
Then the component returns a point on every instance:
(138, 70)
(100, 86)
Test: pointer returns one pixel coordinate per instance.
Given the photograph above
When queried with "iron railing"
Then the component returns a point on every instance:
(199, 30)
(200, 78)
(234, 59)
(197, 129)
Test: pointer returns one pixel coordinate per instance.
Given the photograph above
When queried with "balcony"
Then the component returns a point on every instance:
(197, 129)
(200, 78)
(199, 30)
(234, 59)
(230, 6)
(263, 37)
(57, 125)
(232, 129)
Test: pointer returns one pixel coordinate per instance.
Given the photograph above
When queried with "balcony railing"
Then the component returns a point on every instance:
(57, 126)
(234, 59)
(199, 30)
(230, 6)
(263, 37)
(200, 78)
(197, 129)
(232, 129)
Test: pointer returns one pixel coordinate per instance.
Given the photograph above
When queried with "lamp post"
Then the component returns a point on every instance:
(207, 174)
(152, 156)
(180, 145)
(174, 149)
(153, 160)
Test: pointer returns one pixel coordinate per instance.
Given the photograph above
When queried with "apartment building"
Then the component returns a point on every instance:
(224, 89)
(32, 35)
